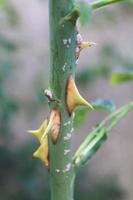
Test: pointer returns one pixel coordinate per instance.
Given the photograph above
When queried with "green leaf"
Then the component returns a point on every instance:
(93, 146)
(85, 12)
(99, 135)
(118, 78)
(98, 104)
(80, 116)
(101, 3)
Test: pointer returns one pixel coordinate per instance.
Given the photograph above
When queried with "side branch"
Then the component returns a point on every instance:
(72, 16)
(102, 3)
(99, 135)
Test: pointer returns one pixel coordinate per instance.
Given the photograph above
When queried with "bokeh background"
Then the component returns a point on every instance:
(24, 68)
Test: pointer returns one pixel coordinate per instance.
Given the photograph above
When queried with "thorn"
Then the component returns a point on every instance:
(86, 44)
(73, 98)
(49, 126)
(42, 151)
(39, 132)
(82, 45)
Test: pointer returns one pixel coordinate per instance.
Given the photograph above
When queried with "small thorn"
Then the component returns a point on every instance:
(86, 44)
(49, 126)
(39, 132)
(42, 151)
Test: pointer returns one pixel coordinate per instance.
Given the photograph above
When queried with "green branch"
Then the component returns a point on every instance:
(72, 16)
(99, 135)
(102, 3)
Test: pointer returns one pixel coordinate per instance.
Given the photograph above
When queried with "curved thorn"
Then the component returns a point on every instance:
(39, 132)
(73, 97)
(42, 151)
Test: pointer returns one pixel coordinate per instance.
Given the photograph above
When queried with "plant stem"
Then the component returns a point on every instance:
(102, 3)
(62, 64)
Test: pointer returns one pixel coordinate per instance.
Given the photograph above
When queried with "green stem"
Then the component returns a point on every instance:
(62, 64)
(102, 3)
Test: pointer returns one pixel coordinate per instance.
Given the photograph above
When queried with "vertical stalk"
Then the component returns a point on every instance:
(62, 64)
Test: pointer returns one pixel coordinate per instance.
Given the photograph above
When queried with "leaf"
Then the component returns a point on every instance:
(99, 135)
(80, 116)
(85, 12)
(101, 3)
(98, 104)
(103, 104)
(93, 146)
(118, 78)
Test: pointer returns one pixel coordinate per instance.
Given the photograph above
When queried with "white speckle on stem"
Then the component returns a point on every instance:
(57, 170)
(77, 50)
(66, 151)
(64, 67)
(68, 136)
(64, 41)
(76, 61)
(72, 130)
(67, 168)
(79, 38)
(65, 124)
(69, 40)
(73, 115)
(48, 93)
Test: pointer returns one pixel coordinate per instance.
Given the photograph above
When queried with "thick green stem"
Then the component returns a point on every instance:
(62, 64)
(101, 3)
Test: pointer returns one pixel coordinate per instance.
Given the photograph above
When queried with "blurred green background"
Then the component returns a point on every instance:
(24, 51)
